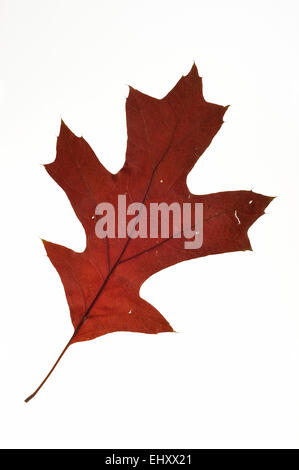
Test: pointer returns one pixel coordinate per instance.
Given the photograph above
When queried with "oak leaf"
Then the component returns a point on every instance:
(165, 139)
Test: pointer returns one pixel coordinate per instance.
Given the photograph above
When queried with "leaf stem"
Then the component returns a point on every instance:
(47, 376)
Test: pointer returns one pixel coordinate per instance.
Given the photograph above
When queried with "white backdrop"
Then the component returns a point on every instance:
(229, 378)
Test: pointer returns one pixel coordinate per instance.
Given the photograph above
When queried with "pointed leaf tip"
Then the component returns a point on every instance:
(194, 70)
(65, 131)
(266, 200)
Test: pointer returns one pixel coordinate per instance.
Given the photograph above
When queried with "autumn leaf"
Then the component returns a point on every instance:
(165, 139)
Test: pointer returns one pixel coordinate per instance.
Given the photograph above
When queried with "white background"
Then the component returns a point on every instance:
(229, 378)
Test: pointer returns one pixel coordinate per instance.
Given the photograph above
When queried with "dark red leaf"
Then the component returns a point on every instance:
(165, 139)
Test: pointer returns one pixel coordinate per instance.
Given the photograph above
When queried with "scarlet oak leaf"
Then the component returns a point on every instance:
(165, 139)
